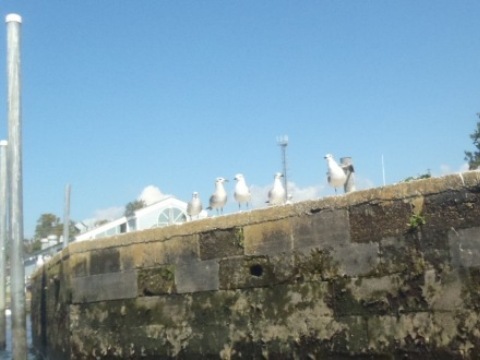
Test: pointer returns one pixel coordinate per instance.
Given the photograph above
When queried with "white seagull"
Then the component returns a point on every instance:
(194, 207)
(335, 175)
(242, 192)
(219, 197)
(276, 195)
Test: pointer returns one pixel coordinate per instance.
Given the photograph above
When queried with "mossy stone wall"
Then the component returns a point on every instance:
(388, 273)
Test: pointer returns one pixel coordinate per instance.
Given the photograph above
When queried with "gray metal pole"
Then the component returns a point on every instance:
(17, 270)
(283, 142)
(3, 240)
(66, 217)
(347, 166)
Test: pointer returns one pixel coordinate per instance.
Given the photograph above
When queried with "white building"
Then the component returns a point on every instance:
(167, 211)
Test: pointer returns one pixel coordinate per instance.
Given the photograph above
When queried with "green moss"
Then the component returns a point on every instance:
(319, 263)
(415, 222)
(157, 281)
(239, 237)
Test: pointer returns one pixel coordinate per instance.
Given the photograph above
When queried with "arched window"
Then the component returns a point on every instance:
(171, 215)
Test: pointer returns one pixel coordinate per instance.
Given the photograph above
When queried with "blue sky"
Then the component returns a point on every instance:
(120, 95)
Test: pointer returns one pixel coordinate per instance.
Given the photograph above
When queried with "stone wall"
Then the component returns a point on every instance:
(388, 273)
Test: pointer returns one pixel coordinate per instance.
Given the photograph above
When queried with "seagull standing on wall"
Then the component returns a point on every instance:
(219, 197)
(276, 195)
(194, 207)
(335, 175)
(242, 192)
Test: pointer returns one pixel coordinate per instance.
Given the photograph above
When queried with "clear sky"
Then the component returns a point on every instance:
(121, 95)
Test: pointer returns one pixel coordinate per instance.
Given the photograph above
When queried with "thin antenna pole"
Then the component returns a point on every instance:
(17, 270)
(66, 217)
(383, 171)
(3, 240)
(282, 141)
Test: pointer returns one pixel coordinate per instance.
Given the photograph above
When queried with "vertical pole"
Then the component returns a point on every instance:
(283, 142)
(347, 166)
(383, 171)
(3, 241)
(17, 270)
(66, 217)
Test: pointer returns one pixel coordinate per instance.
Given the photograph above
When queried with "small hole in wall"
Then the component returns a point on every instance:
(256, 270)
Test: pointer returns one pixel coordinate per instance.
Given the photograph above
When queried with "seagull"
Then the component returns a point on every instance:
(276, 195)
(335, 175)
(242, 192)
(219, 197)
(194, 207)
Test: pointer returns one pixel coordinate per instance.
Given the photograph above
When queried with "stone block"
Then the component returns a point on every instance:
(271, 237)
(353, 340)
(415, 333)
(465, 247)
(458, 209)
(218, 244)
(218, 308)
(181, 250)
(357, 259)
(78, 264)
(153, 254)
(156, 281)
(104, 261)
(322, 230)
(471, 290)
(199, 276)
(377, 220)
(102, 287)
(246, 272)
(315, 265)
(367, 296)
(398, 253)
(443, 291)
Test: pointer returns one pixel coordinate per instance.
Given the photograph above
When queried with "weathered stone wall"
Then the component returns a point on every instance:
(389, 273)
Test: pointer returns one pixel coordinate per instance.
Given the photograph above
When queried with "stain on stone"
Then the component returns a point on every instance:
(218, 244)
(104, 261)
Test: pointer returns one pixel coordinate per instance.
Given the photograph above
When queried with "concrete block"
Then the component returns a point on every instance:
(101, 287)
(199, 276)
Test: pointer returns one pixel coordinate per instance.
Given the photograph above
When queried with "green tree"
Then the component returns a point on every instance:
(473, 157)
(133, 206)
(32, 246)
(48, 224)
